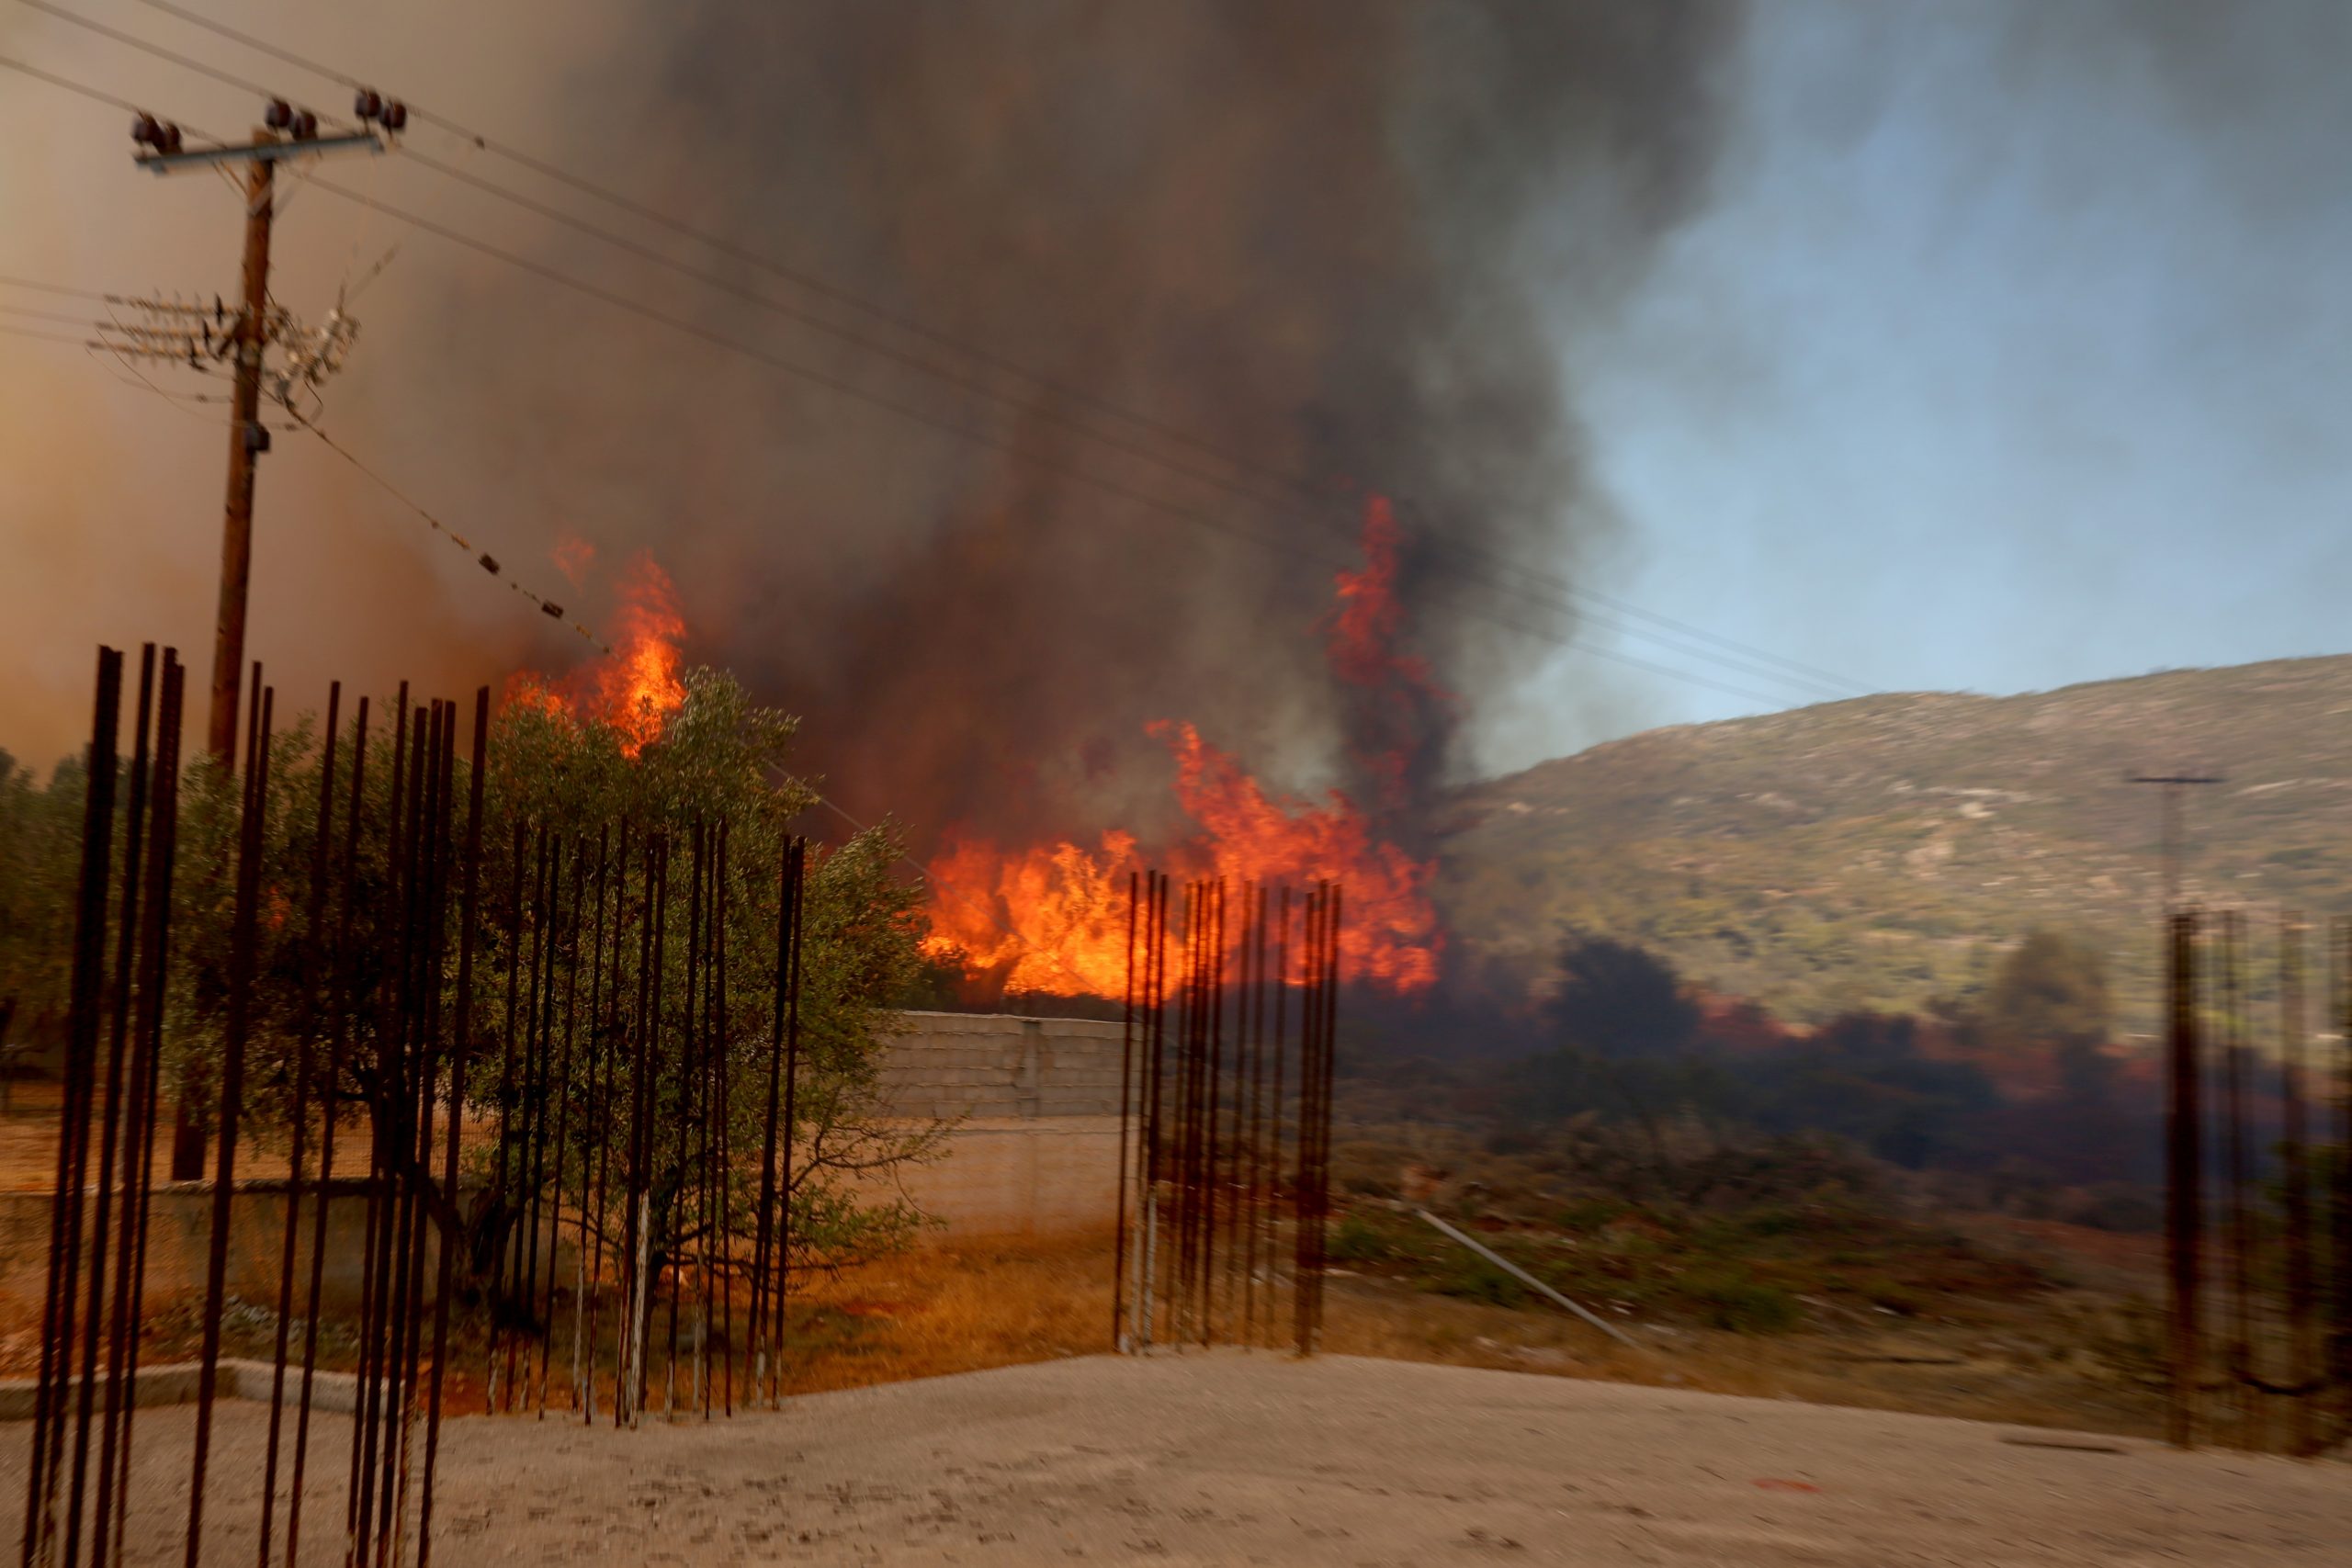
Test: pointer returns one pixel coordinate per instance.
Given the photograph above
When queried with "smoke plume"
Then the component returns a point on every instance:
(1257, 262)
(1237, 268)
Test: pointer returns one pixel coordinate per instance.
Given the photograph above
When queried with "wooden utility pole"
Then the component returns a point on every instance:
(2169, 826)
(288, 133)
(247, 441)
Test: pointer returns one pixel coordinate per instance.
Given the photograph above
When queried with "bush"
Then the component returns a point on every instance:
(1474, 1279)
(1725, 1300)
(1356, 1240)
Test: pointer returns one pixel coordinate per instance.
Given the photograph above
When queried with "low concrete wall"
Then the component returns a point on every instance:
(180, 1384)
(1036, 1100)
(179, 1226)
(1033, 1152)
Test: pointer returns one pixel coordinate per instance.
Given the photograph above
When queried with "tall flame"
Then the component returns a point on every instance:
(1052, 919)
(640, 685)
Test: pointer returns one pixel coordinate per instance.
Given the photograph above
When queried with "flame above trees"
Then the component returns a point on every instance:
(1053, 918)
(635, 687)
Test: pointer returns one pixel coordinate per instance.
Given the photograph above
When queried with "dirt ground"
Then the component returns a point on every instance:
(1254, 1458)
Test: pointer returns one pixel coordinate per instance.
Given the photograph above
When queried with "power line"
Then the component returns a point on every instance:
(1518, 578)
(41, 315)
(132, 40)
(53, 287)
(93, 94)
(46, 337)
(983, 438)
(484, 559)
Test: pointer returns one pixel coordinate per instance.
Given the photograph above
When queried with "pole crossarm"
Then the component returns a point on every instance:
(271, 150)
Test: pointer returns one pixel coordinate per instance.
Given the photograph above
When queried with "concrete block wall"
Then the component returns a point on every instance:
(1033, 1152)
(990, 1066)
(1035, 1103)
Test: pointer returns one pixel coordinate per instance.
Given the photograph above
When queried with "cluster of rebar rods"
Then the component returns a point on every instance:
(622, 1096)
(1216, 1083)
(625, 1126)
(90, 1310)
(2285, 1222)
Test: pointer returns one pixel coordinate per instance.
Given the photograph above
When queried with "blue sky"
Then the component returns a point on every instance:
(2012, 353)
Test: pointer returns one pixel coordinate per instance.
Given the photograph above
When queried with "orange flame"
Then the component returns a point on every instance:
(1054, 920)
(1058, 916)
(640, 685)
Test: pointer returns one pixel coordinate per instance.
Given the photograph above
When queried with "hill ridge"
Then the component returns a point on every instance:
(1878, 851)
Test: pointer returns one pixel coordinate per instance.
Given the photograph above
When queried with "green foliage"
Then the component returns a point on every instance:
(41, 839)
(1723, 1299)
(1471, 1278)
(2049, 998)
(1356, 1240)
(719, 758)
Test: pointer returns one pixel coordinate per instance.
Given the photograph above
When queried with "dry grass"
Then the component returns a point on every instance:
(971, 1306)
(954, 1307)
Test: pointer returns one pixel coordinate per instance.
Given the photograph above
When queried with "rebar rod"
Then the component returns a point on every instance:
(305, 1046)
(65, 1221)
(236, 1033)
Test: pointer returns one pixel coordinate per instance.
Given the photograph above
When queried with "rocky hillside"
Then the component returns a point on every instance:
(1882, 851)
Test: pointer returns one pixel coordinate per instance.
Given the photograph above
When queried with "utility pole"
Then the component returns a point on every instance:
(187, 334)
(247, 441)
(288, 133)
(2169, 805)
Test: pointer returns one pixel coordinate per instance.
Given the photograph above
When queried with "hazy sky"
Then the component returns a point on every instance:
(2010, 351)
(2013, 353)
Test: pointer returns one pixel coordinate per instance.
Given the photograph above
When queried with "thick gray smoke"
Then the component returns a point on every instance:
(1321, 246)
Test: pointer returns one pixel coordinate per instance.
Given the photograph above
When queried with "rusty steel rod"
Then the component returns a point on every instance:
(139, 1138)
(322, 837)
(237, 1032)
(1127, 1080)
(330, 1112)
(800, 882)
(2184, 1191)
(82, 1034)
(2240, 1242)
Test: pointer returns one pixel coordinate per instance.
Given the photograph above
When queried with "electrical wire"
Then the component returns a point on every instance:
(39, 315)
(45, 338)
(1515, 577)
(1529, 588)
(991, 439)
(483, 559)
(132, 40)
(1522, 581)
(1102, 482)
(53, 288)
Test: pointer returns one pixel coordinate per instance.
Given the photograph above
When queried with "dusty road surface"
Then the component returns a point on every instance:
(1253, 1459)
